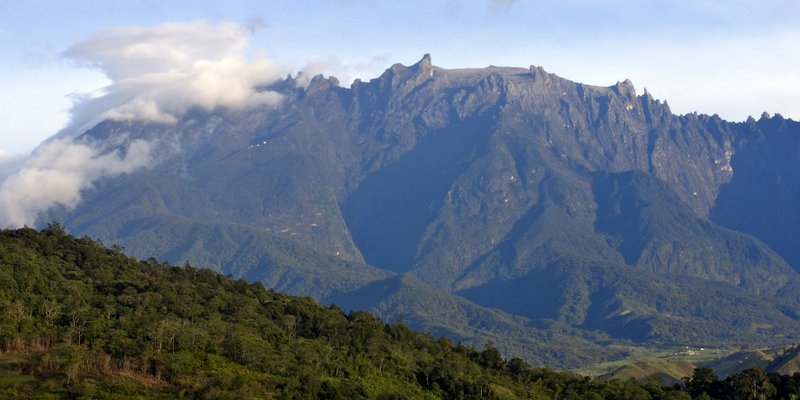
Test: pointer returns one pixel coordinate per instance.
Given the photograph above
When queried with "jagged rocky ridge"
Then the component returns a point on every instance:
(582, 206)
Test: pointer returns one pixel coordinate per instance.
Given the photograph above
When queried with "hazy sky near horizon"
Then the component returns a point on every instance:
(730, 57)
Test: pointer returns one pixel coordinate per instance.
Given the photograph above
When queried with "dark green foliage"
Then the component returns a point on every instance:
(705, 381)
(750, 384)
(78, 320)
(95, 322)
(786, 386)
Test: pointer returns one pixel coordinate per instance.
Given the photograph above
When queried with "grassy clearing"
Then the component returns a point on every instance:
(693, 355)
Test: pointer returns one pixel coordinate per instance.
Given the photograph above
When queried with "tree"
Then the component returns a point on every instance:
(491, 357)
(54, 228)
(751, 384)
(704, 380)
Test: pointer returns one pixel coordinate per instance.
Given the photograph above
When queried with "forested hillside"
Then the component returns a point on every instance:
(80, 320)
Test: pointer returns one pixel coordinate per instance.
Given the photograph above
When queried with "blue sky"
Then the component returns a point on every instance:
(734, 58)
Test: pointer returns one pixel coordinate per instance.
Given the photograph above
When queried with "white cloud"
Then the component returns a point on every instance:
(344, 71)
(331, 66)
(57, 172)
(159, 73)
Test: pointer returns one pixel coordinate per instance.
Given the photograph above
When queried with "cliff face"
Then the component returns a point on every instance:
(476, 181)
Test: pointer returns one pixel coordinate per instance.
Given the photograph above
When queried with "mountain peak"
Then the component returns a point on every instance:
(425, 65)
(538, 72)
(625, 89)
(320, 83)
(398, 74)
(423, 68)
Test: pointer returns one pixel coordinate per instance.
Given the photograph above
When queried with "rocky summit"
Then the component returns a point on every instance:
(503, 204)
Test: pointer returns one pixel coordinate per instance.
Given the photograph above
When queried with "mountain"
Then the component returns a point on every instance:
(590, 211)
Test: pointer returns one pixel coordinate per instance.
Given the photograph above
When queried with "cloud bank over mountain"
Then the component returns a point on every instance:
(157, 74)
(58, 171)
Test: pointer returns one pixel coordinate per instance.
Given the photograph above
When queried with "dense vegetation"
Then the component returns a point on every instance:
(79, 320)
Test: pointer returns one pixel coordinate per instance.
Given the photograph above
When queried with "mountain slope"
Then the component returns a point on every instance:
(652, 230)
(405, 298)
(761, 199)
(585, 206)
(787, 363)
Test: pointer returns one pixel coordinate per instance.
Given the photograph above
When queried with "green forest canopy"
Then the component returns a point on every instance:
(80, 320)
